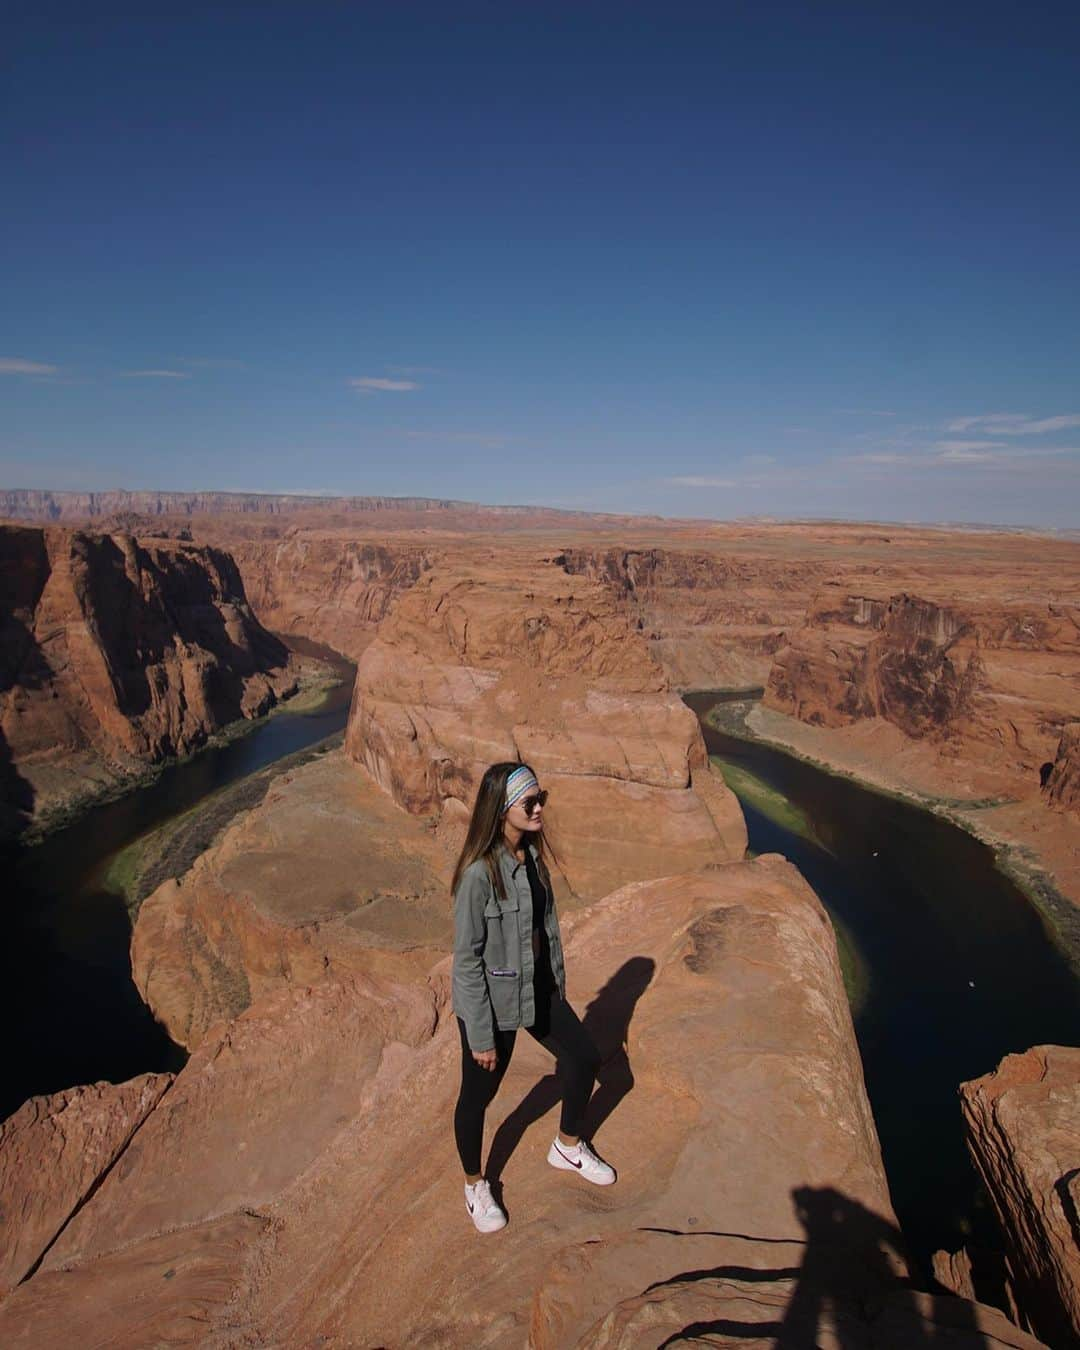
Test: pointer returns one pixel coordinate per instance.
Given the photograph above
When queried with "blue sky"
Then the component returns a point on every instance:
(711, 260)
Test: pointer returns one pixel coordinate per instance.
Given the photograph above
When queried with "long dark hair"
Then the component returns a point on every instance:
(485, 836)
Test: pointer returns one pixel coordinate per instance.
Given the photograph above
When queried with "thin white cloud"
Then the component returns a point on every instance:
(368, 384)
(969, 445)
(967, 453)
(209, 362)
(701, 482)
(877, 457)
(999, 421)
(1048, 424)
(866, 412)
(959, 454)
(1014, 424)
(14, 365)
(486, 440)
(155, 374)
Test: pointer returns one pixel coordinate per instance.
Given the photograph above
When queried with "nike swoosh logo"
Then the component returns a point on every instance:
(469, 1206)
(561, 1154)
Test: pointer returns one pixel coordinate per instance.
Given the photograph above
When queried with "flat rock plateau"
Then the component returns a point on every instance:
(295, 1184)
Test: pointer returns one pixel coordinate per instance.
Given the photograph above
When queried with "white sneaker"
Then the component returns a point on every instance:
(582, 1160)
(482, 1207)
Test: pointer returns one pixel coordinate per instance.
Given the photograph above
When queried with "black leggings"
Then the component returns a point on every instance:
(558, 1029)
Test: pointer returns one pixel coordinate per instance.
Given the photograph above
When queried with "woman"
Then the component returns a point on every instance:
(508, 973)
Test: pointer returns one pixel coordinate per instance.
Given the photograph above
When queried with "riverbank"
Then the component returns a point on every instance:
(172, 848)
(94, 783)
(75, 1012)
(1037, 848)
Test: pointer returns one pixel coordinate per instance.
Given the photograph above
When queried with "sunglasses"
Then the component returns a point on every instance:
(529, 804)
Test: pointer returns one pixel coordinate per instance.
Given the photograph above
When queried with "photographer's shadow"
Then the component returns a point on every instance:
(606, 1019)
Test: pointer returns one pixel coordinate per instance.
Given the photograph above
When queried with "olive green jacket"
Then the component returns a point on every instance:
(493, 956)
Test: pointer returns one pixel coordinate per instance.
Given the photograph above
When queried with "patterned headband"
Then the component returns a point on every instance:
(519, 782)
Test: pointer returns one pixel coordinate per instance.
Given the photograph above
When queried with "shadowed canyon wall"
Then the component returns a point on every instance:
(117, 652)
(1023, 1124)
(1062, 785)
(324, 587)
(993, 682)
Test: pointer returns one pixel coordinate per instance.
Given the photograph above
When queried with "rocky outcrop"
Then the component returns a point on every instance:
(118, 653)
(1023, 1126)
(1062, 785)
(53, 1152)
(509, 657)
(993, 683)
(327, 587)
(298, 1185)
(260, 1099)
(325, 877)
(712, 620)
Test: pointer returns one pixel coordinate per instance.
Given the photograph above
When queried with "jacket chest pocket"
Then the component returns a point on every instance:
(497, 909)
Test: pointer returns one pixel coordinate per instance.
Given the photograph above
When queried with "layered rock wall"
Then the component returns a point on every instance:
(712, 620)
(1023, 1126)
(38, 505)
(117, 653)
(326, 587)
(509, 657)
(1062, 785)
(995, 683)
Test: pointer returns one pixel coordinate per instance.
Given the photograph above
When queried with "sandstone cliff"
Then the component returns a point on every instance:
(117, 653)
(297, 1183)
(992, 683)
(712, 620)
(324, 586)
(1062, 786)
(507, 656)
(1023, 1124)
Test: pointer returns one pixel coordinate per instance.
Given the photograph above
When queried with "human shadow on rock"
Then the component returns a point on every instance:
(850, 1290)
(606, 1019)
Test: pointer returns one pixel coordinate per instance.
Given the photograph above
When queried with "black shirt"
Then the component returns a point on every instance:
(541, 948)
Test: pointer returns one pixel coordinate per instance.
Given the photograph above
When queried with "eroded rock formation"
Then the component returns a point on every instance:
(993, 683)
(1023, 1126)
(1062, 786)
(297, 1184)
(509, 657)
(330, 588)
(712, 620)
(53, 1151)
(325, 877)
(117, 653)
